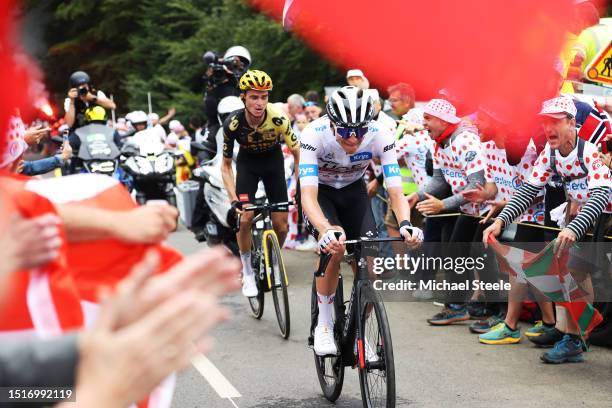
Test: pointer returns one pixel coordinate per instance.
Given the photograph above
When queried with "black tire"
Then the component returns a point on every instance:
(279, 290)
(330, 370)
(256, 303)
(376, 378)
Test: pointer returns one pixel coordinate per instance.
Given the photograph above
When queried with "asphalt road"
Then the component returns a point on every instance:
(252, 366)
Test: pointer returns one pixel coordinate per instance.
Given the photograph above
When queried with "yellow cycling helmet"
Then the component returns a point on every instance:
(95, 114)
(256, 81)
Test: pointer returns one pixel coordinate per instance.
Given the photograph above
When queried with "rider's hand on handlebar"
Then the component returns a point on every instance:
(330, 243)
(413, 236)
(237, 207)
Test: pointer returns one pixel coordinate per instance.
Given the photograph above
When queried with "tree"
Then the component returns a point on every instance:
(131, 48)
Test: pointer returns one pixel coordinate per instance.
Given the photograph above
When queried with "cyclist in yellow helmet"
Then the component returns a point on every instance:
(259, 129)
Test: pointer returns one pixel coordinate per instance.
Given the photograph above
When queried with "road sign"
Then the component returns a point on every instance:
(600, 70)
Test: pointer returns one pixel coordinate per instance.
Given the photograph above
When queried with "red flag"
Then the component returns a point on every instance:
(480, 50)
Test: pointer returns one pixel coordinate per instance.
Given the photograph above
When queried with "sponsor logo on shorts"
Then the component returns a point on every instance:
(243, 198)
(469, 156)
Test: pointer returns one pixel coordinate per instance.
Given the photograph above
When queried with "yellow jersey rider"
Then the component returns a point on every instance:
(258, 129)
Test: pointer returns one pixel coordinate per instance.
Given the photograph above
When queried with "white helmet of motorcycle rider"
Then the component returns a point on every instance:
(138, 119)
(227, 105)
(241, 57)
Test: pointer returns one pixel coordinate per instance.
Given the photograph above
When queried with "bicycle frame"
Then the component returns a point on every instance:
(265, 216)
(351, 324)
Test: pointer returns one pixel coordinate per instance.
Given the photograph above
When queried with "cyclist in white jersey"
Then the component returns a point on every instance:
(335, 151)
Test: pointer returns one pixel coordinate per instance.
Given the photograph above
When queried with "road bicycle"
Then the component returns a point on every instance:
(362, 333)
(268, 265)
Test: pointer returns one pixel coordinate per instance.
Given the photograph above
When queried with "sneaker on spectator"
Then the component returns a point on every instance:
(501, 334)
(538, 329)
(479, 310)
(309, 245)
(485, 325)
(547, 339)
(566, 350)
(449, 315)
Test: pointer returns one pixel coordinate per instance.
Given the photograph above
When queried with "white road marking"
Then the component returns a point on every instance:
(215, 378)
(233, 403)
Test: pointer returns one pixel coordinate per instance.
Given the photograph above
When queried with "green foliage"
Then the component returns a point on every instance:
(134, 47)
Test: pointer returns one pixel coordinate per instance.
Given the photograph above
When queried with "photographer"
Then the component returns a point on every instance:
(81, 97)
(221, 80)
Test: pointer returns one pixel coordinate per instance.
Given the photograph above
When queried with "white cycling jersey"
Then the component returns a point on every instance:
(324, 161)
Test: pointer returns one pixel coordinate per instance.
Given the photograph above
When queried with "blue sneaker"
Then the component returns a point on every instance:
(449, 315)
(566, 350)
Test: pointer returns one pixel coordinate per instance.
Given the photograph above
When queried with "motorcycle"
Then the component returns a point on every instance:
(151, 166)
(99, 154)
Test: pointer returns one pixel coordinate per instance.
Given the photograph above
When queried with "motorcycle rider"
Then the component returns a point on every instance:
(226, 106)
(258, 129)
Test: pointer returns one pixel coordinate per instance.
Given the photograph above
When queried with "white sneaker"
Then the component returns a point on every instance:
(249, 287)
(371, 356)
(324, 343)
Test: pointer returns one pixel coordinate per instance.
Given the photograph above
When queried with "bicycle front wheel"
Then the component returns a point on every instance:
(279, 285)
(375, 353)
(330, 369)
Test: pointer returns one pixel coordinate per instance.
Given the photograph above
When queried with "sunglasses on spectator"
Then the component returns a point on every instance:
(310, 103)
(347, 132)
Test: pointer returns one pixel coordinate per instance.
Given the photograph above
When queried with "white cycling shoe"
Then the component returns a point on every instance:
(324, 343)
(249, 287)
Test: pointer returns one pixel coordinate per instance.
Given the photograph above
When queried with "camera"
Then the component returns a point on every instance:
(83, 91)
(218, 66)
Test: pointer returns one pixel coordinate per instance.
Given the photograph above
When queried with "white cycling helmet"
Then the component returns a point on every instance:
(137, 117)
(350, 106)
(240, 52)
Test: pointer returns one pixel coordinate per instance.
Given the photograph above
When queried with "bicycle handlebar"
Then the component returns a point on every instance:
(325, 258)
(282, 206)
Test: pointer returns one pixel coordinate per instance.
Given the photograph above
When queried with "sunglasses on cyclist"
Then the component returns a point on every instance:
(347, 132)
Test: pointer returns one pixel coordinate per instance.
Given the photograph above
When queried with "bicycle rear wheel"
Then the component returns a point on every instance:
(330, 370)
(279, 285)
(375, 353)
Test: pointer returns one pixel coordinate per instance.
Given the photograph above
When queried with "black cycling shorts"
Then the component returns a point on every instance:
(348, 207)
(267, 166)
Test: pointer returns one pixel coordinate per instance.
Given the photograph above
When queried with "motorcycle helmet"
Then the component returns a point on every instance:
(137, 118)
(244, 59)
(350, 106)
(256, 81)
(79, 78)
(228, 105)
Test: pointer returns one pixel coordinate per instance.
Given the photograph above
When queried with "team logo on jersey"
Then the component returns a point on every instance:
(233, 123)
(516, 182)
(391, 170)
(597, 164)
(469, 156)
(361, 156)
(306, 146)
(309, 170)
(389, 147)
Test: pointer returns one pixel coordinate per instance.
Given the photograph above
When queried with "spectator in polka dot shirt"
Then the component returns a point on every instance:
(458, 165)
(495, 131)
(587, 183)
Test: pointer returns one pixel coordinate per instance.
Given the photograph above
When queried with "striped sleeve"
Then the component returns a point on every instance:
(519, 203)
(590, 211)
